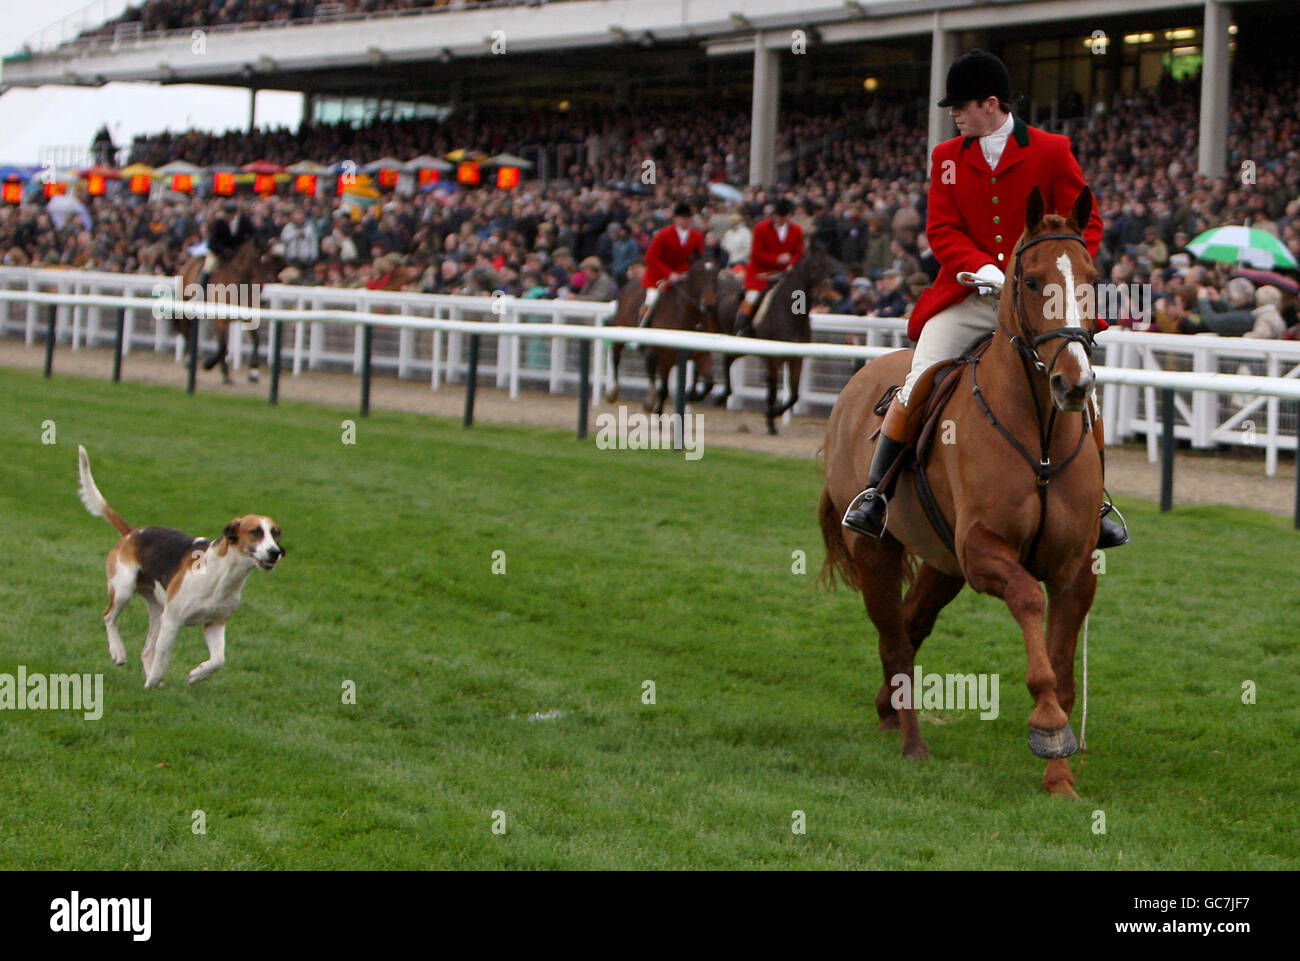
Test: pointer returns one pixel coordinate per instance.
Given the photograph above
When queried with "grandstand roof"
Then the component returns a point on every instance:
(416, 55)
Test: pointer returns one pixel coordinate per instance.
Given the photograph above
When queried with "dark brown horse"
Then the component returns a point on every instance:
(689, 304)
(1022, 506)
(783, 314)
(236, 281)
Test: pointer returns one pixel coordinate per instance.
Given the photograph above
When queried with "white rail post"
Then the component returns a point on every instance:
(1270, 453)
(405, 345)
(1205, 406)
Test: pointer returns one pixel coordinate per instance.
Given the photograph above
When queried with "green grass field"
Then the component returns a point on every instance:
(621, 567)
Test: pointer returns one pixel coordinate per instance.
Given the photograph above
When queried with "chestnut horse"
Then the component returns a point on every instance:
(689, 304)
(1019, 489)
(236, 281)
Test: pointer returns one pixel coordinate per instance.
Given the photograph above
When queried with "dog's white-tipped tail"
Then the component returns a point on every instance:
(92, 498)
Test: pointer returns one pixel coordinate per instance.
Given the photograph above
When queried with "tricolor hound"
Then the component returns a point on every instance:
(184, 580)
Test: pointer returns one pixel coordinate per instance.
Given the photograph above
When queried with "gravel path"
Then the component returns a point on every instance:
(1199, 477)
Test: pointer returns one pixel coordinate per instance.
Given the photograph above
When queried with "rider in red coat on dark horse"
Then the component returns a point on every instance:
(669, 256)
(777, 245)
(979, 184)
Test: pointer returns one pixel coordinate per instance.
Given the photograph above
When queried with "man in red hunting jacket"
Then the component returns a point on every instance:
(669, 256)
(776, 247)
(979, 184)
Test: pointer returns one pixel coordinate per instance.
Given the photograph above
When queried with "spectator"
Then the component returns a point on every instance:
(599, 285)
(890, 301)
(1268, 319)
(301, 244)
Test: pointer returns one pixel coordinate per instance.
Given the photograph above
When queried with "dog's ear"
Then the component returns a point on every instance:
(231, 533)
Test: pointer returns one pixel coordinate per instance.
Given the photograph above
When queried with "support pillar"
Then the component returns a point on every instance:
(1212, 147)
(767, 97)
(943, 51)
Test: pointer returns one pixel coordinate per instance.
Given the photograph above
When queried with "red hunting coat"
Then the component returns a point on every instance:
(666, 255)
(767, 247)
(974, 216)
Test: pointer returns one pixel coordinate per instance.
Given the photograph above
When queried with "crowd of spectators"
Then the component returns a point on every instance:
(856, 175)
(156, 15)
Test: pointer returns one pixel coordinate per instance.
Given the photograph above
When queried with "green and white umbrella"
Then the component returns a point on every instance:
(1242, 245)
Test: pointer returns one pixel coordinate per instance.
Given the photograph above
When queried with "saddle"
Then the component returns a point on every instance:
(937, 385)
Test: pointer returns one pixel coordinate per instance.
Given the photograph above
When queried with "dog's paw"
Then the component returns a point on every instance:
(153, 682)
(195, 676)
(118, 659)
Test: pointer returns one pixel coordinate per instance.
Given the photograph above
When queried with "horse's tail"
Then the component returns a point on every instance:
(838, 565)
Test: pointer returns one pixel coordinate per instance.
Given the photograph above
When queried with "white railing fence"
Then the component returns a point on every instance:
(324, 332)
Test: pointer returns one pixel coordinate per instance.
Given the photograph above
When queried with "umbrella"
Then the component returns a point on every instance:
(63, 206)
(628, 187)
(384, 163)
(1269, 278)
(99, 170)
(136, 170)
(1242, 245)
(726, 192)
(307, 167)
(262, 167)
(426, 162)
(508, 160)
(463, 154)
(179, 167)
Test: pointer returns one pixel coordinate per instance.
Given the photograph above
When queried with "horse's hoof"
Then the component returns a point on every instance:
(254, 376)
(1064, 790)
(720, 401)
(1052, 744)
(771, 429)
(888, 723)
(917, 752)
(611, 395)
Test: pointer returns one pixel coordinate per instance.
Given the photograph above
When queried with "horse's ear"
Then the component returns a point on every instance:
(1034, 208)
(1082, 211)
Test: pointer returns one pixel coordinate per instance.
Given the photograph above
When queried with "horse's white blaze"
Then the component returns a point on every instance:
(1072, 317)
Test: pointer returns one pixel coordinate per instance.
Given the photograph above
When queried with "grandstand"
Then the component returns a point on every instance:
(831, 103)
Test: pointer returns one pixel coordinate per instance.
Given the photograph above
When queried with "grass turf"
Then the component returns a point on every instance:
(620, 568)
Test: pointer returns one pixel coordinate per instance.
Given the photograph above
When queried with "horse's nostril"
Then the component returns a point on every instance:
(1058, 382)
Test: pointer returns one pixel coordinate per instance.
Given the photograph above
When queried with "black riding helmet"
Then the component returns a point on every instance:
(976, 75)
(683, 209)
(783, 207)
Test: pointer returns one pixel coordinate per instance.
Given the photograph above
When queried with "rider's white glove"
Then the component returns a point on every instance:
(993, 273)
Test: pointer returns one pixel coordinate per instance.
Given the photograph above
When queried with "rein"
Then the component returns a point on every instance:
(1026, 347)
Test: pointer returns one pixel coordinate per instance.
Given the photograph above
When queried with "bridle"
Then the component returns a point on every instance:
(1026, 345)
(698, 303)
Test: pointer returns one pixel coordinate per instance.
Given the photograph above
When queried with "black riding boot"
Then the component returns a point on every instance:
(869, 511)
(1114, 533)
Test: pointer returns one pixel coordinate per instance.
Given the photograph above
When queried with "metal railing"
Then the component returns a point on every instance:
(346, 326)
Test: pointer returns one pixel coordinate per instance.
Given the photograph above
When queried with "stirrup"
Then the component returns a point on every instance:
(1119, 529)
(859, 503)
